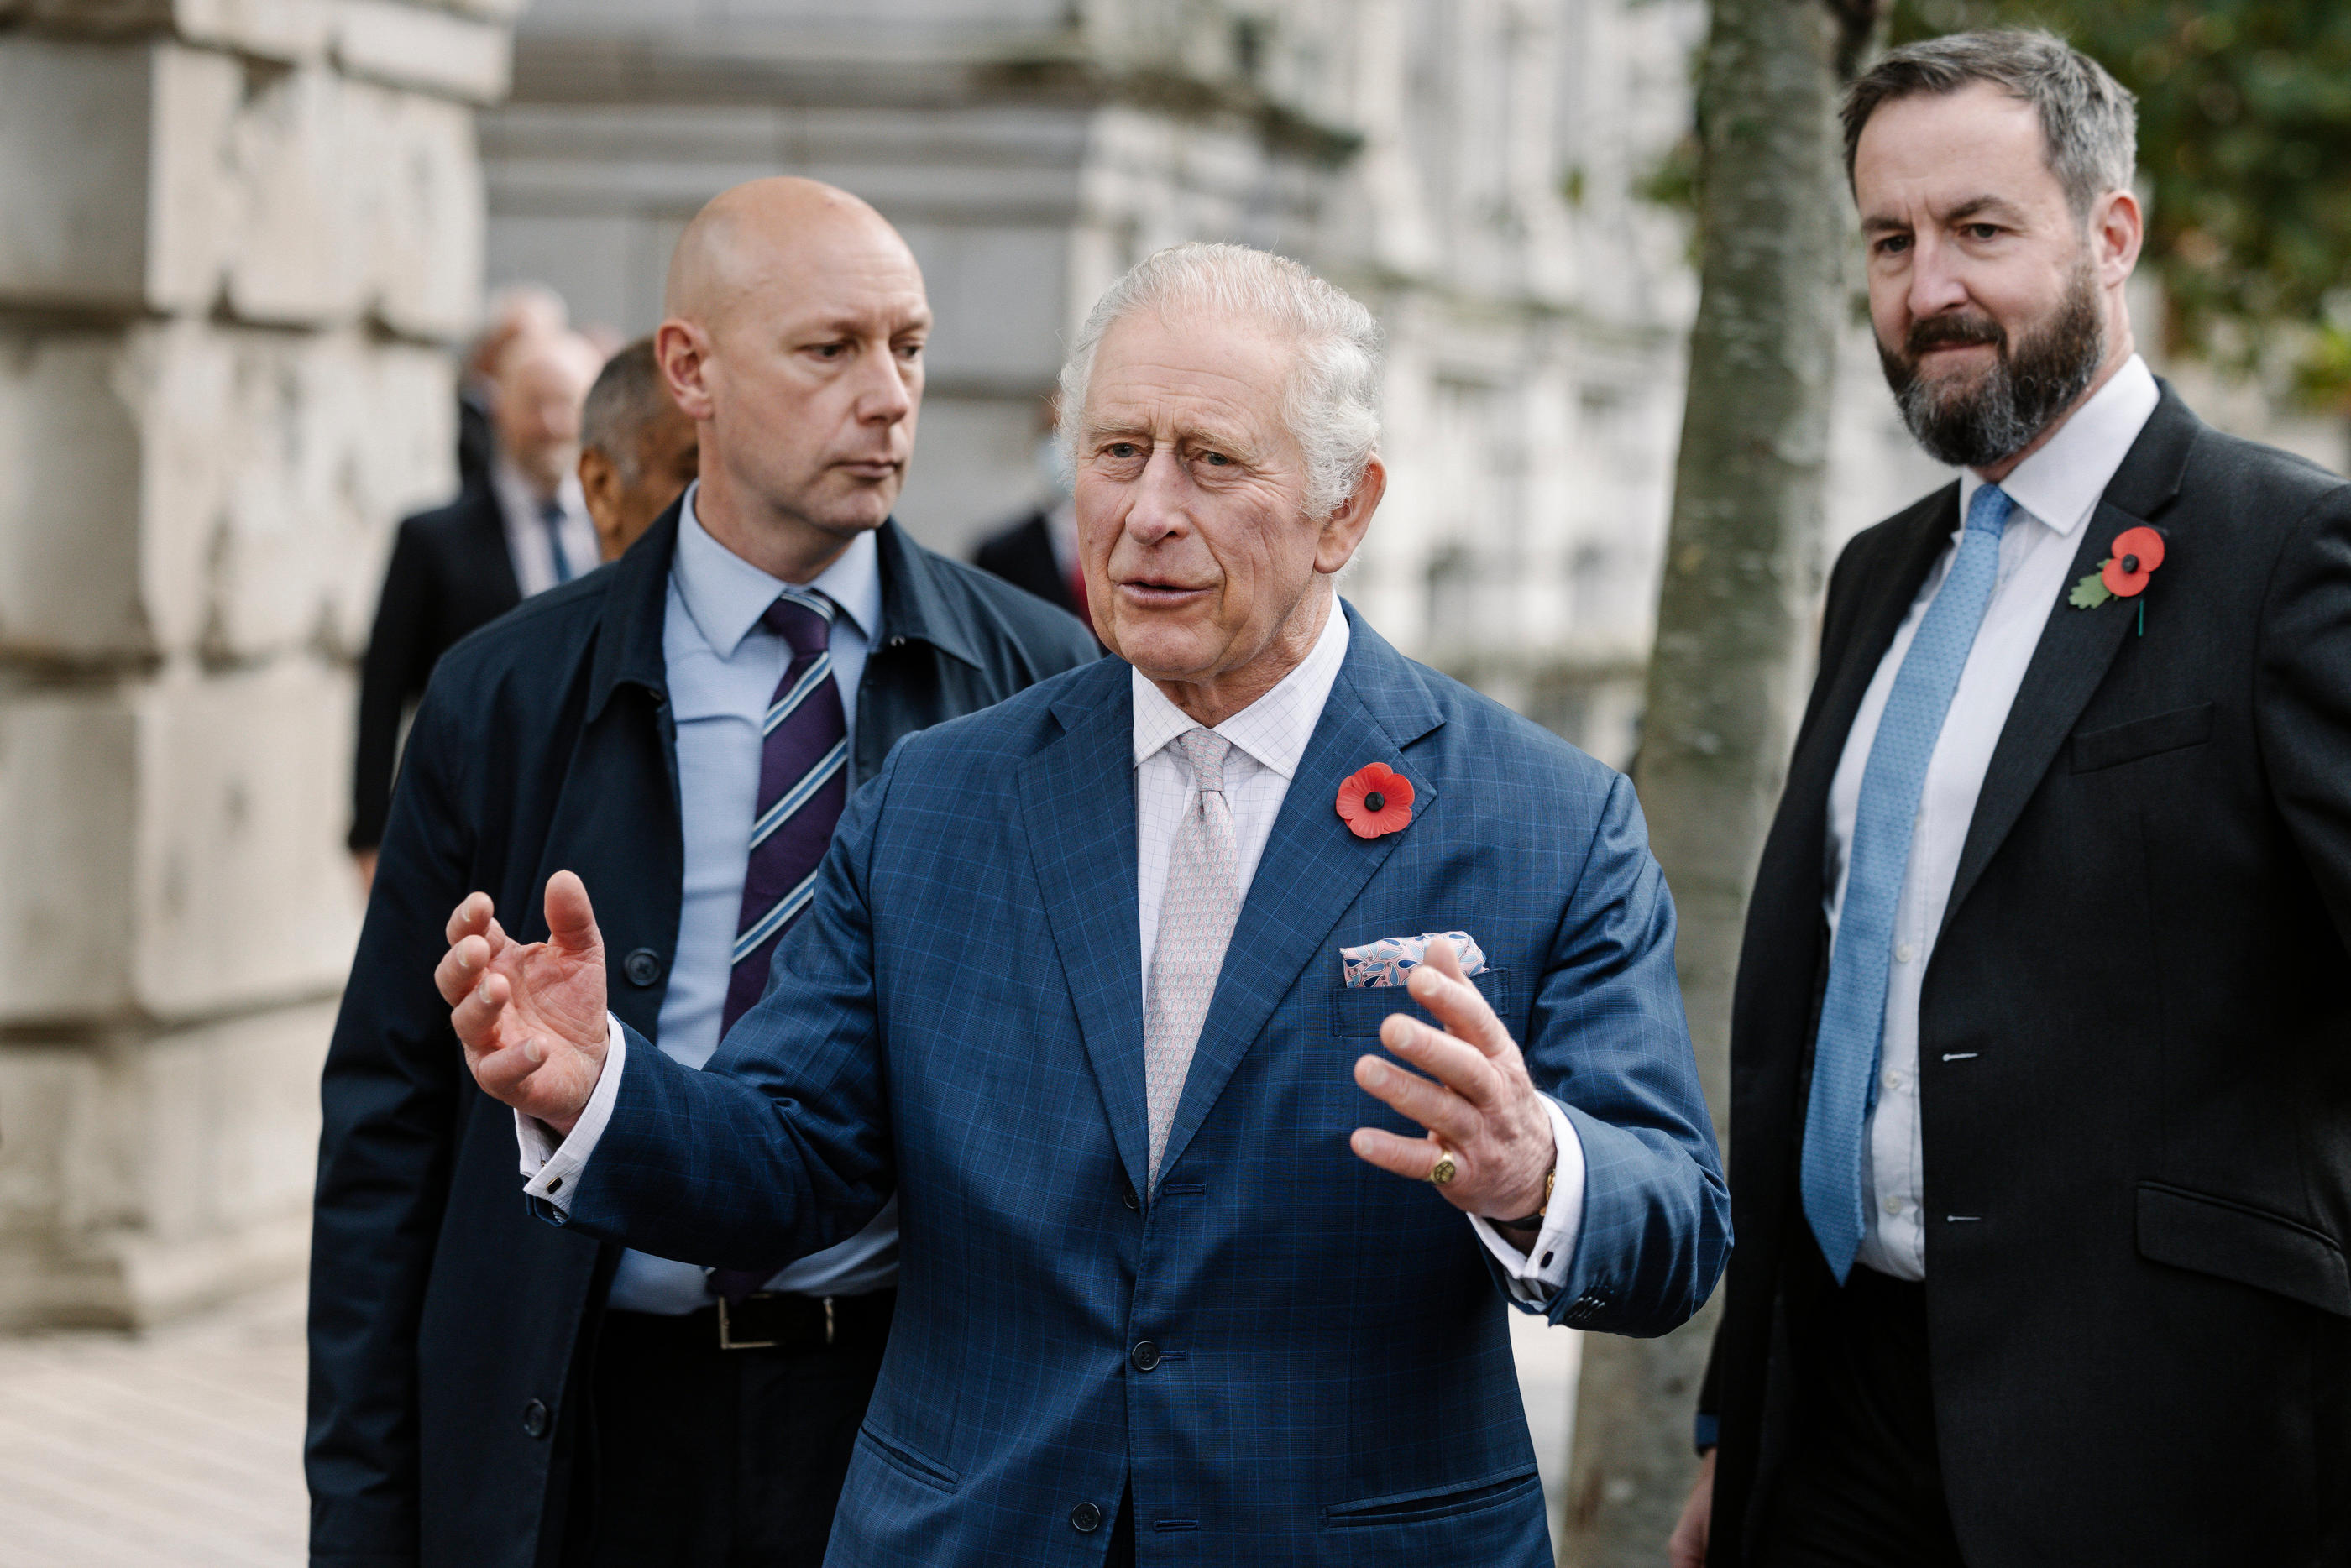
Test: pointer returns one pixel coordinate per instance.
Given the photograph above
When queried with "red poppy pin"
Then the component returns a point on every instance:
(1375, 801)
(2123, 575)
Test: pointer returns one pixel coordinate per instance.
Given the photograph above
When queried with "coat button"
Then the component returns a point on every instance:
(535, 1422)
(1085, 1519)
(1145, 1355)
(642, 967)
(1127, 1195)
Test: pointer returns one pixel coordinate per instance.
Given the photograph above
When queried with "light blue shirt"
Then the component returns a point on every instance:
(723, 669)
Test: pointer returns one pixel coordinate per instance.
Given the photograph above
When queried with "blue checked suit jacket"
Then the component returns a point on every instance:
(959, 1020)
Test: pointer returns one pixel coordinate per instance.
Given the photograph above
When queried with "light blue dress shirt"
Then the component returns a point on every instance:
(723, 669)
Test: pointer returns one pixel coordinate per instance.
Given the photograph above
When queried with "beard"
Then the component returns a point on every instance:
(1984, 421)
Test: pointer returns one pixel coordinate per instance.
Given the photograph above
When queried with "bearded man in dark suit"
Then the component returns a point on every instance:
(2040, 1050)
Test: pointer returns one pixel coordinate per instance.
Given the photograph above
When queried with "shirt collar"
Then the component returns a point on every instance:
(2061, 483)
(1275, 727)
(519, 499)
(727, 595)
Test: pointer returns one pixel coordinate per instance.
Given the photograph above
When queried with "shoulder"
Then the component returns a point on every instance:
(471, 510)
(2273, 487)
(1889, 537)
(1484, 743)
(537, 643)
(1006, 627)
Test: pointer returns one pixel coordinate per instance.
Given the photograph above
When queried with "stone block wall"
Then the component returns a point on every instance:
(238, 239)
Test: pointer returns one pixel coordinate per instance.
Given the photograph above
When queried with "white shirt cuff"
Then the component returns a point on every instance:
(1537, 1274)
(554, 1167)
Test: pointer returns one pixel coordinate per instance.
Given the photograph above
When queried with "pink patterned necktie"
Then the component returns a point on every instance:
(1195, 923)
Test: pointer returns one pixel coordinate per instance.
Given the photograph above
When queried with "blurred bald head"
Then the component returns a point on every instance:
(796, 324)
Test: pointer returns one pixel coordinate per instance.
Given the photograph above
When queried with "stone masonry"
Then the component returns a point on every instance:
(237, 238)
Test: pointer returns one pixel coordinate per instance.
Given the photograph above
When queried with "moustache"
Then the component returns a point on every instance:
(1953, 332)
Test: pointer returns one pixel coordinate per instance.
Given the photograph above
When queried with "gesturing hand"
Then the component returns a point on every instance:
(531, 1019)
(1482, 1108)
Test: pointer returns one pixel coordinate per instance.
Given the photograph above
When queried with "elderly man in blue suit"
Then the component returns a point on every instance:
(1091, 982)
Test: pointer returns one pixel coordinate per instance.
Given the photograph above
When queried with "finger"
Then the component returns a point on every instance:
(1458, 1004)
(570, 919)
(1410, 1157)
(1433, 1105)
(503, 1073)
(460, 968)
(471, 916)
(1453, 1061)
(475, 1016)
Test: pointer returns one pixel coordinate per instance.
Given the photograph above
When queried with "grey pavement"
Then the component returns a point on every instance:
(181, 1447)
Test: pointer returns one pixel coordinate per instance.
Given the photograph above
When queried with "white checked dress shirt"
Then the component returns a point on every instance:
(2055, 491)
(1268, 738)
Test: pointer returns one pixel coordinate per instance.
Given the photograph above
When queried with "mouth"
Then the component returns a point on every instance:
(1151, 592)
(869, 469)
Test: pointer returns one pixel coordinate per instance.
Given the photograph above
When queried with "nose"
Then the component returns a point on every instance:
(1161, 497)
(884, 396)
(1935, 282)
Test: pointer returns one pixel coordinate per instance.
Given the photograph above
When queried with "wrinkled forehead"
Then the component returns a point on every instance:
(1184, 368)
(1932, 152)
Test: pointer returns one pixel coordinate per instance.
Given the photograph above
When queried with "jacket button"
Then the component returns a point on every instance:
(535, 1422)
(1085, 1519)
(642, 967)
(1145, 1355)
(1127, 1195)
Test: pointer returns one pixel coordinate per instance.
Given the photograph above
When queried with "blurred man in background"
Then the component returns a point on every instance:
(515, 312)
(638, 450)
(1039, 551)
(488, 1391)
(451, 570)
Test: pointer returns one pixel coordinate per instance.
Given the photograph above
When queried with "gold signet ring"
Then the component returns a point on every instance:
(1444, 1170)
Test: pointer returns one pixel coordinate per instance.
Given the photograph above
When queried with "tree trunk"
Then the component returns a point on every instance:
(1734, 628)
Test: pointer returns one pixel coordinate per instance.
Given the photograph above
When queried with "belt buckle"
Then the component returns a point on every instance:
(727, 1340)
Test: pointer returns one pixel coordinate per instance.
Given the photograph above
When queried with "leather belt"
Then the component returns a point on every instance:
(768, 1320)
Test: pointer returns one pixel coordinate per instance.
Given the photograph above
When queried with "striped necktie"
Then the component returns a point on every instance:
(1853, 1012)
(803, 785)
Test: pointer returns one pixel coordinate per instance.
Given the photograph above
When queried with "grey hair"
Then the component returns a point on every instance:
(2089, 120)
(1332, 407)
(628, 397)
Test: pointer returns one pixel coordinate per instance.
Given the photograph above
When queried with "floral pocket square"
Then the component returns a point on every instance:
(1390, 960)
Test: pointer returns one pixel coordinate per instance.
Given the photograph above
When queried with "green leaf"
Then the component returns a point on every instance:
(2091, 591)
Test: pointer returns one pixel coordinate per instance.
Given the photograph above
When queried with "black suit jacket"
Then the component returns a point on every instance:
(444, 1322)
(450, 573)
(2135, 1047)
(1022, 555)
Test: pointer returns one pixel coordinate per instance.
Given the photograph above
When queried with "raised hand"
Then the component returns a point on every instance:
(1481, 1109)
(531, 1018)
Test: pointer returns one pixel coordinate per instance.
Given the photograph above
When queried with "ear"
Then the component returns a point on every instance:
(1343, 530)
(682, 350)
(600, 486)
(2117, 232)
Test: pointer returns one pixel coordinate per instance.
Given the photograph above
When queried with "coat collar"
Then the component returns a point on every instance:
(914, 608)
(1078, 807)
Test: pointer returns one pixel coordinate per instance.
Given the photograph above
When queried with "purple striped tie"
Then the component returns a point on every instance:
(803, 785)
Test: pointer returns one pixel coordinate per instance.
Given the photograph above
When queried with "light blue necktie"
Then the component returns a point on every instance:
(1853, 1013)
(551, 512)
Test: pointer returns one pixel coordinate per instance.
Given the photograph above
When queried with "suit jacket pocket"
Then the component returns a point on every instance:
(2252, 1246)
(907, 1461)
(2116, 744)
(1437, 1503)
(1360, 1010)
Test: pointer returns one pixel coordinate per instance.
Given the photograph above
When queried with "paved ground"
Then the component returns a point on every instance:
(181, 1448)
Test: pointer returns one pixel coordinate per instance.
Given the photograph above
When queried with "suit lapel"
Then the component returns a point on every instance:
(1077, 804)
(2076, 646)
(1313, 867)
